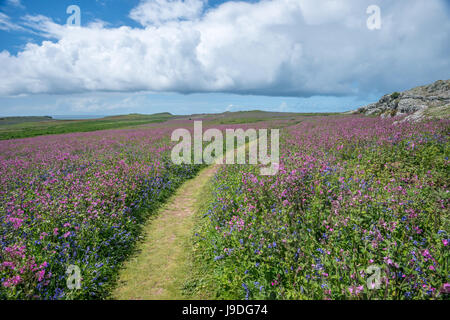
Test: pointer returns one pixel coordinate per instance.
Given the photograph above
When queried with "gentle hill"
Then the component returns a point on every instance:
(138, 116)
(15, 120)
(23, 129)
(251, 116)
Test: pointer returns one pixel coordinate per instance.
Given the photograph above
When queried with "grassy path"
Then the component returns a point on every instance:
(161, 265)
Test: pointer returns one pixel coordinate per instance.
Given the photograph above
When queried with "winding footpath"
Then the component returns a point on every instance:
(161, 265)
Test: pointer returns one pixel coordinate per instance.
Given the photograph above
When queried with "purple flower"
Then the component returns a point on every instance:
(445, 288)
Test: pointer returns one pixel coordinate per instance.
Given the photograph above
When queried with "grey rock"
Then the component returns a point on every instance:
(417, 103)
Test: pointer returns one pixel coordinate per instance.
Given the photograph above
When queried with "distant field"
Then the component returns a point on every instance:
(17, 120)
(253, 116)
(23, 127)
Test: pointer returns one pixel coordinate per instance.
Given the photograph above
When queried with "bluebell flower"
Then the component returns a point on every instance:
(247, 292)
(218, 257)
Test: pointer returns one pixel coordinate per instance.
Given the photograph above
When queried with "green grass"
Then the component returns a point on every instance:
(243, 117)
(16, 120)
(200, 283)
(163, 260)
(442, 112)
(238, 120)
(38, 128)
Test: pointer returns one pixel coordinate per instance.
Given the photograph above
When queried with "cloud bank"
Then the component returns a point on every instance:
(272, 47)
(157, 12)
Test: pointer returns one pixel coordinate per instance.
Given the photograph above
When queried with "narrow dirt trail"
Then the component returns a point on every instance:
(161, 266)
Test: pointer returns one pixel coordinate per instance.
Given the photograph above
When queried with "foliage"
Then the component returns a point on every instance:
(78, 199)
(395, 95)
(13, 128)
(351, 193)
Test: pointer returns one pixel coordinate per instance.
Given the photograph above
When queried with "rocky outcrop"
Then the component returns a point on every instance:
(422, 102)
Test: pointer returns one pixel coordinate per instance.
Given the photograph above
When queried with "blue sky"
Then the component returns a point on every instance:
(111, 11)
(196, 56)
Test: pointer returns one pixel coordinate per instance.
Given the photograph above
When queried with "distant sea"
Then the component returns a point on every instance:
(77, 117)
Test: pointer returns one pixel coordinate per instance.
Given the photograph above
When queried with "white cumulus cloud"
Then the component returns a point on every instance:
(271, 47)
(150, 12)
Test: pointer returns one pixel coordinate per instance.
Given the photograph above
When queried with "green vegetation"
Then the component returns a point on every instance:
(202, 280)
(442, 112)
(24, 127)
(15, 120)
(160, 272)
(395, 95)
(44, 126)
(238, 121)
(243, 117)
(352, 195)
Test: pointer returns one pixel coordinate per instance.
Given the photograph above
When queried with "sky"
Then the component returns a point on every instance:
(205, 56)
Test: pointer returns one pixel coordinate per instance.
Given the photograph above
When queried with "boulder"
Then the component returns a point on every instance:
(417, 103)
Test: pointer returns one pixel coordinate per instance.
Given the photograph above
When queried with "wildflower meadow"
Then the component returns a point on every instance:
(78, 199)
(358, 210)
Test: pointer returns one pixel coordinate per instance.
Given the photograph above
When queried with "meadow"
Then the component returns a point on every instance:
(24, 127)
(78, 199)
(354, 196)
